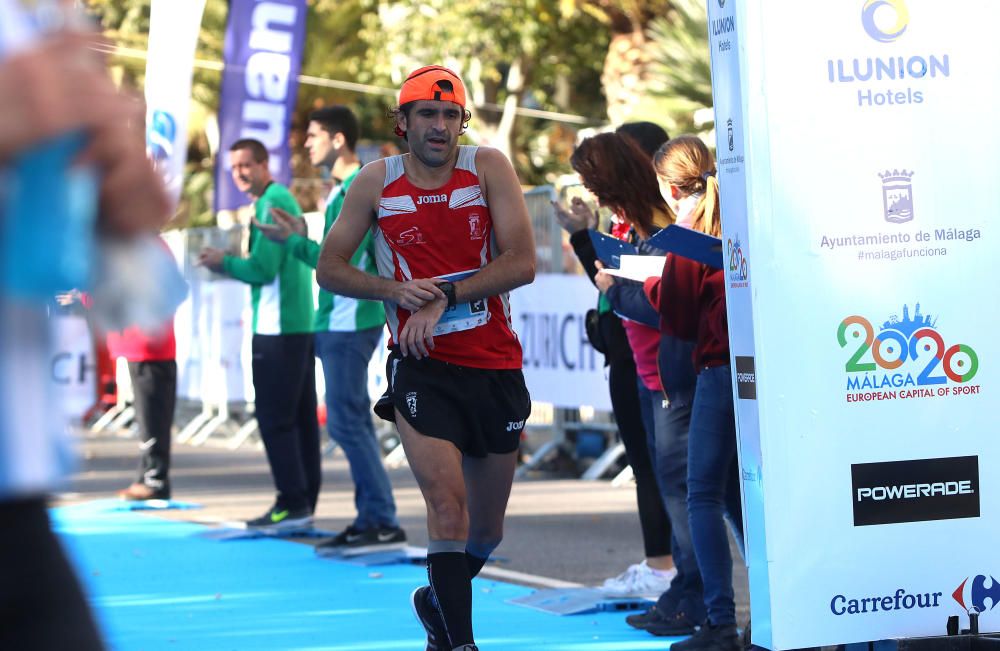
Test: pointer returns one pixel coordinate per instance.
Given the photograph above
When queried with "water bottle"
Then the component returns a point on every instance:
(48, 204)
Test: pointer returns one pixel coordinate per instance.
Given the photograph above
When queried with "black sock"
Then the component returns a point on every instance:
(449, 576)
(475, 564)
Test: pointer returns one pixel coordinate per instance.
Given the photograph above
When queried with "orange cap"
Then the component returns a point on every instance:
(433, 83)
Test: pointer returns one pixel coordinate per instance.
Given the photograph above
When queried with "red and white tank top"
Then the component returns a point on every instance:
(446, 232)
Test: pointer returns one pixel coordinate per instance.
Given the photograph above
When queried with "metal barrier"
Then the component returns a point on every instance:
(214, 423)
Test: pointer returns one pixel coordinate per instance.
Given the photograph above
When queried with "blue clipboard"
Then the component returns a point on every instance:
(609, 249)
(691, 244)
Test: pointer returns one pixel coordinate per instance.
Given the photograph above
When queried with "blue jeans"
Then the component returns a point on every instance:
(712, 490)
(668, 448)
(345, 357)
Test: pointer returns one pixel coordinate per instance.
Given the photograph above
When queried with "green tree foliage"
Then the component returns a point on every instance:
(515, 54)
(680, 76)
(649, 57)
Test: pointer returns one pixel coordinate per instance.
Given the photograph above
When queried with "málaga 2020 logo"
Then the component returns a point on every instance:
(907, 358)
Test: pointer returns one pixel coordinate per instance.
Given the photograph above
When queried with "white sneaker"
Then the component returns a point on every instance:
(639, 580)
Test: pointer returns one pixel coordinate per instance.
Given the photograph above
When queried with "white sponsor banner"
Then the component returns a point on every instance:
(72, 367)
(213, 340)
(863, 349)
(173, 35)
(560, 365)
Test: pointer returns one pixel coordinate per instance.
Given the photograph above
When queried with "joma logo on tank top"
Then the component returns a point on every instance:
(432, 198)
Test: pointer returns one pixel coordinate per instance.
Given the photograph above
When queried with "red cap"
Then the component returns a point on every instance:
(433, 83)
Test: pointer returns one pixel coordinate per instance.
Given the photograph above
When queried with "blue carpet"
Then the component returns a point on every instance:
(158, 584)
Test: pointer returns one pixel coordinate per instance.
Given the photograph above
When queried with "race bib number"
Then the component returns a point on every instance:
(463, 316)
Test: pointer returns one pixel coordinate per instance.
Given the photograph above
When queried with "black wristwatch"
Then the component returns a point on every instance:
(449, 292)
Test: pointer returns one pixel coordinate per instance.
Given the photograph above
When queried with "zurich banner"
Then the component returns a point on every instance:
(857, 171)
(263, 56)
(173, 35)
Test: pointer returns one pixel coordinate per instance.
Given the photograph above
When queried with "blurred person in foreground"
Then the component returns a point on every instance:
(54, 88)
(452, 237)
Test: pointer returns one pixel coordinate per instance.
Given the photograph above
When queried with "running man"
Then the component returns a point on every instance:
(452, 238)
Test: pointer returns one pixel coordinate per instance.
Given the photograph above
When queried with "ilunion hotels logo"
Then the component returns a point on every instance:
(907, 358)
(886, 21)
(872, 7)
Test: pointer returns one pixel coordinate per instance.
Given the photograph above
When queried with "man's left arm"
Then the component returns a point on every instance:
(515, 265)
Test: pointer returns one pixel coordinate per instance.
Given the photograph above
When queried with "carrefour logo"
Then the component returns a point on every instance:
(973, 593)
(885, 33)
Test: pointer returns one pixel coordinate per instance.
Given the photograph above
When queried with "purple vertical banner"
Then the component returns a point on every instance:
(263, 56)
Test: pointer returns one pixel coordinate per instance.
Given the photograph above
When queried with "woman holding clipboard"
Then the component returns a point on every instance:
(691, 300)
(615, 171)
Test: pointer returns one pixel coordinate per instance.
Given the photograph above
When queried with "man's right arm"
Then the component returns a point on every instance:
(334, 272)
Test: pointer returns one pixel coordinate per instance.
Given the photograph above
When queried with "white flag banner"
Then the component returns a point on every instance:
(173, 35)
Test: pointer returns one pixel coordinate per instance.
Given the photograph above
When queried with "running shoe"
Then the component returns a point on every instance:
(281, 520)
(670, 625)
(639, 580)
(353, 541)
(711, 638)
(430, 617)
(139, 492)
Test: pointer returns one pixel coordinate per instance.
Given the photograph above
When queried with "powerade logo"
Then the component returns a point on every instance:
(739, 268)
(973, 594)
(895, 29)
(919, 490)
(908, 358)
(746, 378)
(899, 600)
(886, 21)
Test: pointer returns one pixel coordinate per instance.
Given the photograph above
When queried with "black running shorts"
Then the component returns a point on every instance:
(481, 411)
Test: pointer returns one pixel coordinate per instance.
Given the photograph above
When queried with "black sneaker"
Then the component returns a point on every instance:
(430, 617)
(672, 624)
(282, 520)
(711, 638)
(644, 619)
(353, 541)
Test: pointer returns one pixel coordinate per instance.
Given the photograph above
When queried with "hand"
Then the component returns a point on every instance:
(283, 226)
(414, 294)
(578, 217)
(603, 279)
(211, 259)
(62, 87)
(417, 336)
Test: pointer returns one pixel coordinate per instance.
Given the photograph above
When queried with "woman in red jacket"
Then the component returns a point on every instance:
(691, 301)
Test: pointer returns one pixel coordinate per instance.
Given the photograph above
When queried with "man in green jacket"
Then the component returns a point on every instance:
(284, 377)
(347, 332)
